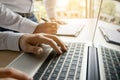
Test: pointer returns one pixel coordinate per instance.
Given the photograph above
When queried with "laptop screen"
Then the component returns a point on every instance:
(110, 12)
(97, 11)
(109, 21)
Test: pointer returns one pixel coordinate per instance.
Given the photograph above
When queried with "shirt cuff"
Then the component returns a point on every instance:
(27, 26)
(13, 41)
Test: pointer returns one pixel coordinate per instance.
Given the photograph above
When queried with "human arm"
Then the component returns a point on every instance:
(28, 42)
(9, 41)
(50, 9)
(47, 27)
(13, 21)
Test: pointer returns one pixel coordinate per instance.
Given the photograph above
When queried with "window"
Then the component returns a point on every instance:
(70, 8)
(110, 11)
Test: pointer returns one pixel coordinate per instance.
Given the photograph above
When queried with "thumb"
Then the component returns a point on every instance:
(36, 50)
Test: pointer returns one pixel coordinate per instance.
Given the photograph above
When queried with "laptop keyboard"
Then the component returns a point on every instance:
(111, 60)
(64, 67)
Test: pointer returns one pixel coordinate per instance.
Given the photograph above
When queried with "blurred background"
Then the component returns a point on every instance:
(82, 9)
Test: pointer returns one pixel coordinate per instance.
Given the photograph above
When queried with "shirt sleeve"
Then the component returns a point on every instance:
(9, 41)
(50, 7)
(13, 21)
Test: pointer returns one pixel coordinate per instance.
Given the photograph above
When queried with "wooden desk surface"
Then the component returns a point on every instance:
(7, 56)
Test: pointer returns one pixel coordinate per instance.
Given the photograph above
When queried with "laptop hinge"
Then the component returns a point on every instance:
(92, 66)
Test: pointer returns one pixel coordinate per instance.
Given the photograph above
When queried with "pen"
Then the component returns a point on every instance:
(44, 19)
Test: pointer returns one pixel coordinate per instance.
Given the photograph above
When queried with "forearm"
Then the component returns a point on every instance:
(50, 7)
(13, 21)
(9, 41)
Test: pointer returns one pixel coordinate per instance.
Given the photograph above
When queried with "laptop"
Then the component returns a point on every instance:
(111, 35)
(107, 55)
(82, 61)
(70, 65)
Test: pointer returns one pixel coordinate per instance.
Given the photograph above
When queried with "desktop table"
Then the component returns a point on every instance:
(86, 35)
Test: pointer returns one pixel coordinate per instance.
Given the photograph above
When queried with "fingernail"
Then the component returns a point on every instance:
(61, 52)
(65, 49)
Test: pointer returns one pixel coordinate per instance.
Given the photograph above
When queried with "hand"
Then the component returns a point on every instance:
(57, 21)
(13, 73)
(28, 43)
(50, 28)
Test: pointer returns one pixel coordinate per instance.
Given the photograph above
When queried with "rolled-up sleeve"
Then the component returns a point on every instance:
(13, 21)
(9, 41)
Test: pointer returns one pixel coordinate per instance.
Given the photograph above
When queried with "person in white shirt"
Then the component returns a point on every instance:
(25, 8)
(25, 25)
(50, 6)
(25, 42)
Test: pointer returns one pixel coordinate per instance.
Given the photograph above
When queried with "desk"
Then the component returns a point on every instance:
(7, 56)
(86, 35)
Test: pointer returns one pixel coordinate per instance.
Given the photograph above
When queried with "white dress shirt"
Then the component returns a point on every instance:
(26, 6)
(22, 6)
(9, 41)
(13, 21)
(10, 20)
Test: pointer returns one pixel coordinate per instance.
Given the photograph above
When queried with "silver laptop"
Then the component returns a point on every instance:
(50, 66)
(108, 55)
(103, 58)
(111, 35)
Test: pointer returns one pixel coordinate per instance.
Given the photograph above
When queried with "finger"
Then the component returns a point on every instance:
(16, 74)
(60, 43)
(35, 49)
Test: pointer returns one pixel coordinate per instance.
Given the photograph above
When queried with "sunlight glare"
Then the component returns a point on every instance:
(62, 3)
